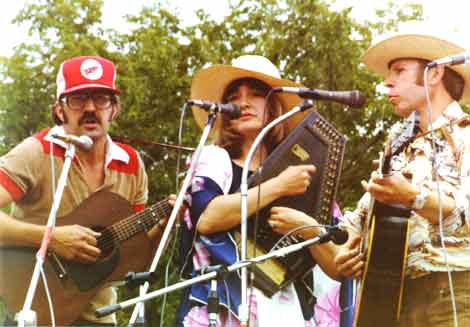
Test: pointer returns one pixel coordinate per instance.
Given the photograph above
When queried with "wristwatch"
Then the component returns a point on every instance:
(420, 199)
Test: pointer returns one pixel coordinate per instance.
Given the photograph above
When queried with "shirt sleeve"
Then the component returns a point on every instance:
(462, 192)
(455, 182)
(200, 198)
(20, 169)
(141, 196)
(215, 163)
(354, 220)
(212, 177)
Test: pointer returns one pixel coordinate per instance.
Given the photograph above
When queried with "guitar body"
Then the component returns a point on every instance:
(72, 285)
(380, 294)
(385, 244)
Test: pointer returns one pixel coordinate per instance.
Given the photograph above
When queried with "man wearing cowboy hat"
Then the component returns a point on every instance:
(86, 104)
(214, 199)
(401, 60)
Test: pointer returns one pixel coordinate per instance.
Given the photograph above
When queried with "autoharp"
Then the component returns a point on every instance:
(313, 141)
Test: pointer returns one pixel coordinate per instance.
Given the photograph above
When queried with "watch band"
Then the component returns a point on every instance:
(420, 199)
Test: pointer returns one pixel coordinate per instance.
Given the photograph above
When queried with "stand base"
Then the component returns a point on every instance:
(26, 318)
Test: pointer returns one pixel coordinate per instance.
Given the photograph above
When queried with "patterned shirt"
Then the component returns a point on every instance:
(214, 171)
(25, 172)
(452, 168)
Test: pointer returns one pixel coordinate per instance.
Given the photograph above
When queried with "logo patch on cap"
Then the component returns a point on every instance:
(91, 69)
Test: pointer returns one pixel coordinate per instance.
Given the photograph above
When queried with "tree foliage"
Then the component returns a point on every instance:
(312, 44)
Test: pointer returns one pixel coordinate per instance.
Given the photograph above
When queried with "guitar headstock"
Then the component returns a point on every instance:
(385, 158)
(394, 147)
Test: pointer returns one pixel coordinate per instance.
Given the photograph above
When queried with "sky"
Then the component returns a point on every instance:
(447, 19)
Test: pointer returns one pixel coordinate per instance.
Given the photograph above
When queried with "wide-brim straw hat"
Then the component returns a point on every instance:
(379, 56)
(210, 83)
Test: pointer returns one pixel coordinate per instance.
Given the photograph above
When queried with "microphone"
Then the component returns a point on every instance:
(354, 99)
(83, 142)
(232, 111)
(462, 58)
(337, 235)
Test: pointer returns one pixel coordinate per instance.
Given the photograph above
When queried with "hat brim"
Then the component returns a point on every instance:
(210, 83)
(90, 86)
(379, 56)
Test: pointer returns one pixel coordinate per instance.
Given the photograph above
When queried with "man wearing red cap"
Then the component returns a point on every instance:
(87, 103)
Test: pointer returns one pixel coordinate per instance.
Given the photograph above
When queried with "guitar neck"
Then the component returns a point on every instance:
(141, 221)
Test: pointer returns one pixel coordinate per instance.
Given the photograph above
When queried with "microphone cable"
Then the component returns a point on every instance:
(259, 170)
(439, 200)
(183, 109)
(178, 226)
(229, 311)
(292, 231)
(43, 275)
(48, 296)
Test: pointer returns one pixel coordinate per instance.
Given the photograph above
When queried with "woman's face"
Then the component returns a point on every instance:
(252, 102)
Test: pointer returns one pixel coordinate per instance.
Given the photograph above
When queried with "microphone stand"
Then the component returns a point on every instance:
(243, 309)
(27, 317)
(217, 271)
(174, 213)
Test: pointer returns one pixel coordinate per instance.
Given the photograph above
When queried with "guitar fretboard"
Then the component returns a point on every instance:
(139, 222)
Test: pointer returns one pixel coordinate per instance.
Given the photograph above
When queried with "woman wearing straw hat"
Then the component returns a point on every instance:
(214, 205)
(427, 299)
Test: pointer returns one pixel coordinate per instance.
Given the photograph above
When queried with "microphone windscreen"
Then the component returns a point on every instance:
(358, 99)
(235, 111)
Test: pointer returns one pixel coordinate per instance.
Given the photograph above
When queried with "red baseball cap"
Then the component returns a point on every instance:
(86, 72)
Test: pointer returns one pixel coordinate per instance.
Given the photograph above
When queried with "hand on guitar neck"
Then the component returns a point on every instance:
(349, 260)
(391, 189)
(156, 233)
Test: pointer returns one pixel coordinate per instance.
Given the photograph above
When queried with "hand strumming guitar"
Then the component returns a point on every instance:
(75, 242)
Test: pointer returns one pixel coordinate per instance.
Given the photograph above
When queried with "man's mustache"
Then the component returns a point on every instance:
(88, 118)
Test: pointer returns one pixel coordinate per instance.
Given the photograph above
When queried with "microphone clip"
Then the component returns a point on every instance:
(220, 269)
(307, 104)
(134, 279)
(335, 234)
(213, 295)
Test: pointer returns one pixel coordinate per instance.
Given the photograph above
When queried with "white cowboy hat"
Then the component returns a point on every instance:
(379, 56)
(210, 83)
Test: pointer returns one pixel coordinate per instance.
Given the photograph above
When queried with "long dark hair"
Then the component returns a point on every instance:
(230, 138)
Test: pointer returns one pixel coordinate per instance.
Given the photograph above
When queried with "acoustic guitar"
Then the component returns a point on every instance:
(124, 245)
(385, 244)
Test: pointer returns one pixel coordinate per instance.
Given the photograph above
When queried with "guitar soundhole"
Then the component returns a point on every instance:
(106, 242)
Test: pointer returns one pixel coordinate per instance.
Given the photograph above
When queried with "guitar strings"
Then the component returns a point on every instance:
(124, 229)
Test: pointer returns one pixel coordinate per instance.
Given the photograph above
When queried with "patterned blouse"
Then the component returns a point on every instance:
(452, 176)
(215, 175)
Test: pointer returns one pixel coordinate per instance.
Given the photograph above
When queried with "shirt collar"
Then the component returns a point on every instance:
(113, 151)
(452, 112)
